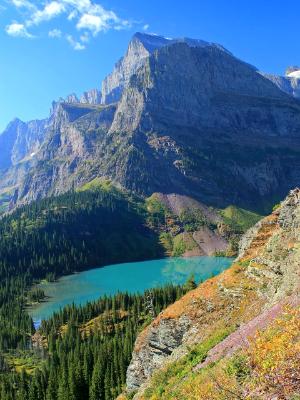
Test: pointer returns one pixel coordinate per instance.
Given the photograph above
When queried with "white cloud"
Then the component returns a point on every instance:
(76, 45)
(80, 5)
(85, 37)
(94, 23)
(146, 27)
(23, 4)
(97, 19)
(55, 33)
(18, 30)
(85, 15)
(72, 15)
(51, 10)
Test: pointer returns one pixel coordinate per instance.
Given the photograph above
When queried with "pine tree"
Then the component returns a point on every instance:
(96, 386)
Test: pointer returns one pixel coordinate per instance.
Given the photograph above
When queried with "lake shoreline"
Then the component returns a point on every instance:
(89, 285)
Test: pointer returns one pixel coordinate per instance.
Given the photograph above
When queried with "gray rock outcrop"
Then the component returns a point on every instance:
(160, 341)
(92, 97)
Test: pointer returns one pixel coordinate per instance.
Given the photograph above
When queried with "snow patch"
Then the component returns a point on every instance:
(294, 74)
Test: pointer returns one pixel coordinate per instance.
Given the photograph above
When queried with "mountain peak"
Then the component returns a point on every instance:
(293, 72)
(141, 46)
(153, 42)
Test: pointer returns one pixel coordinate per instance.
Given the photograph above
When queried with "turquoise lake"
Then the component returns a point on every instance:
(131, 277)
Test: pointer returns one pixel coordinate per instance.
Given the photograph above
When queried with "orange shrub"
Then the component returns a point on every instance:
(275, 355)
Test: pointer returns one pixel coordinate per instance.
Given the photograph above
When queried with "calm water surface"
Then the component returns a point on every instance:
(131, 277)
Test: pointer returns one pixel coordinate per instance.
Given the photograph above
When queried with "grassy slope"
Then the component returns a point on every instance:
(176, 231)
(238, 218)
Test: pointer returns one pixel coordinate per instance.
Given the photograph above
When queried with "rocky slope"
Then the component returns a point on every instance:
(190, 228)
(184, 117)
(254, 291)
(290, 83)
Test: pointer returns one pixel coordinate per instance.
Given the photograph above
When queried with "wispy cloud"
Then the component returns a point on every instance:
(85, 37)
(18, 30)
(23, 4)
(55, 33)
(76, 45)
(50, 11)
(88, 18)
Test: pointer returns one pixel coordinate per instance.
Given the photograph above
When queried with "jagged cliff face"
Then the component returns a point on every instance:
(20, 140)
(185, 116)
(208, 120)
(75, 150)
(92, 96)
(140, 47)
(249, 295)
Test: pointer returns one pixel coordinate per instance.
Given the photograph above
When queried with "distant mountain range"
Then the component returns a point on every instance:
(178, 116)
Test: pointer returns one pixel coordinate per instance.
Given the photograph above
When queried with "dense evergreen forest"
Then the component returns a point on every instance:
(57, 236)
(82, 353)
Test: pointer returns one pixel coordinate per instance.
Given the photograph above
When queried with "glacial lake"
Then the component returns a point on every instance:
(131, 277)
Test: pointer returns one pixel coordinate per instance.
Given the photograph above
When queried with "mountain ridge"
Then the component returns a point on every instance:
(211, 122)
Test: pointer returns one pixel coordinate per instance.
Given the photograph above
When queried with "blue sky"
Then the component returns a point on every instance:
(52, 48)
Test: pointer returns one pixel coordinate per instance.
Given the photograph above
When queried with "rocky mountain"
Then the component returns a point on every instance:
(177, 116)
(20, 140)
(140, 47)
(290, 83)
(212, 324)
(92, 96)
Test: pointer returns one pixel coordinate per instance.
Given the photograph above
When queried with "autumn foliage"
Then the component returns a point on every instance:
(275, 356)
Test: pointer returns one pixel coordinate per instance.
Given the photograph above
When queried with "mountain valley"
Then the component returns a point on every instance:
(185, 151)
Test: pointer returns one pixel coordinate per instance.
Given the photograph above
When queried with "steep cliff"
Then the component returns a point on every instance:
(212, 124)
(92, 96)
(140, 47)
(19, 140)
(189, 119)
(223, 313)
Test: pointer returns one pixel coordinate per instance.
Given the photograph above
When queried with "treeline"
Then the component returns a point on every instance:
(88, 348)
(74, 231)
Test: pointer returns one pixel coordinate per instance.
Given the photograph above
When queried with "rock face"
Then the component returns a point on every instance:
(261, 280)
(290, 83)
(196, 113)
(140, 47)
(180, 116)
(20, 140)
(93, 97)
(162, 340)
